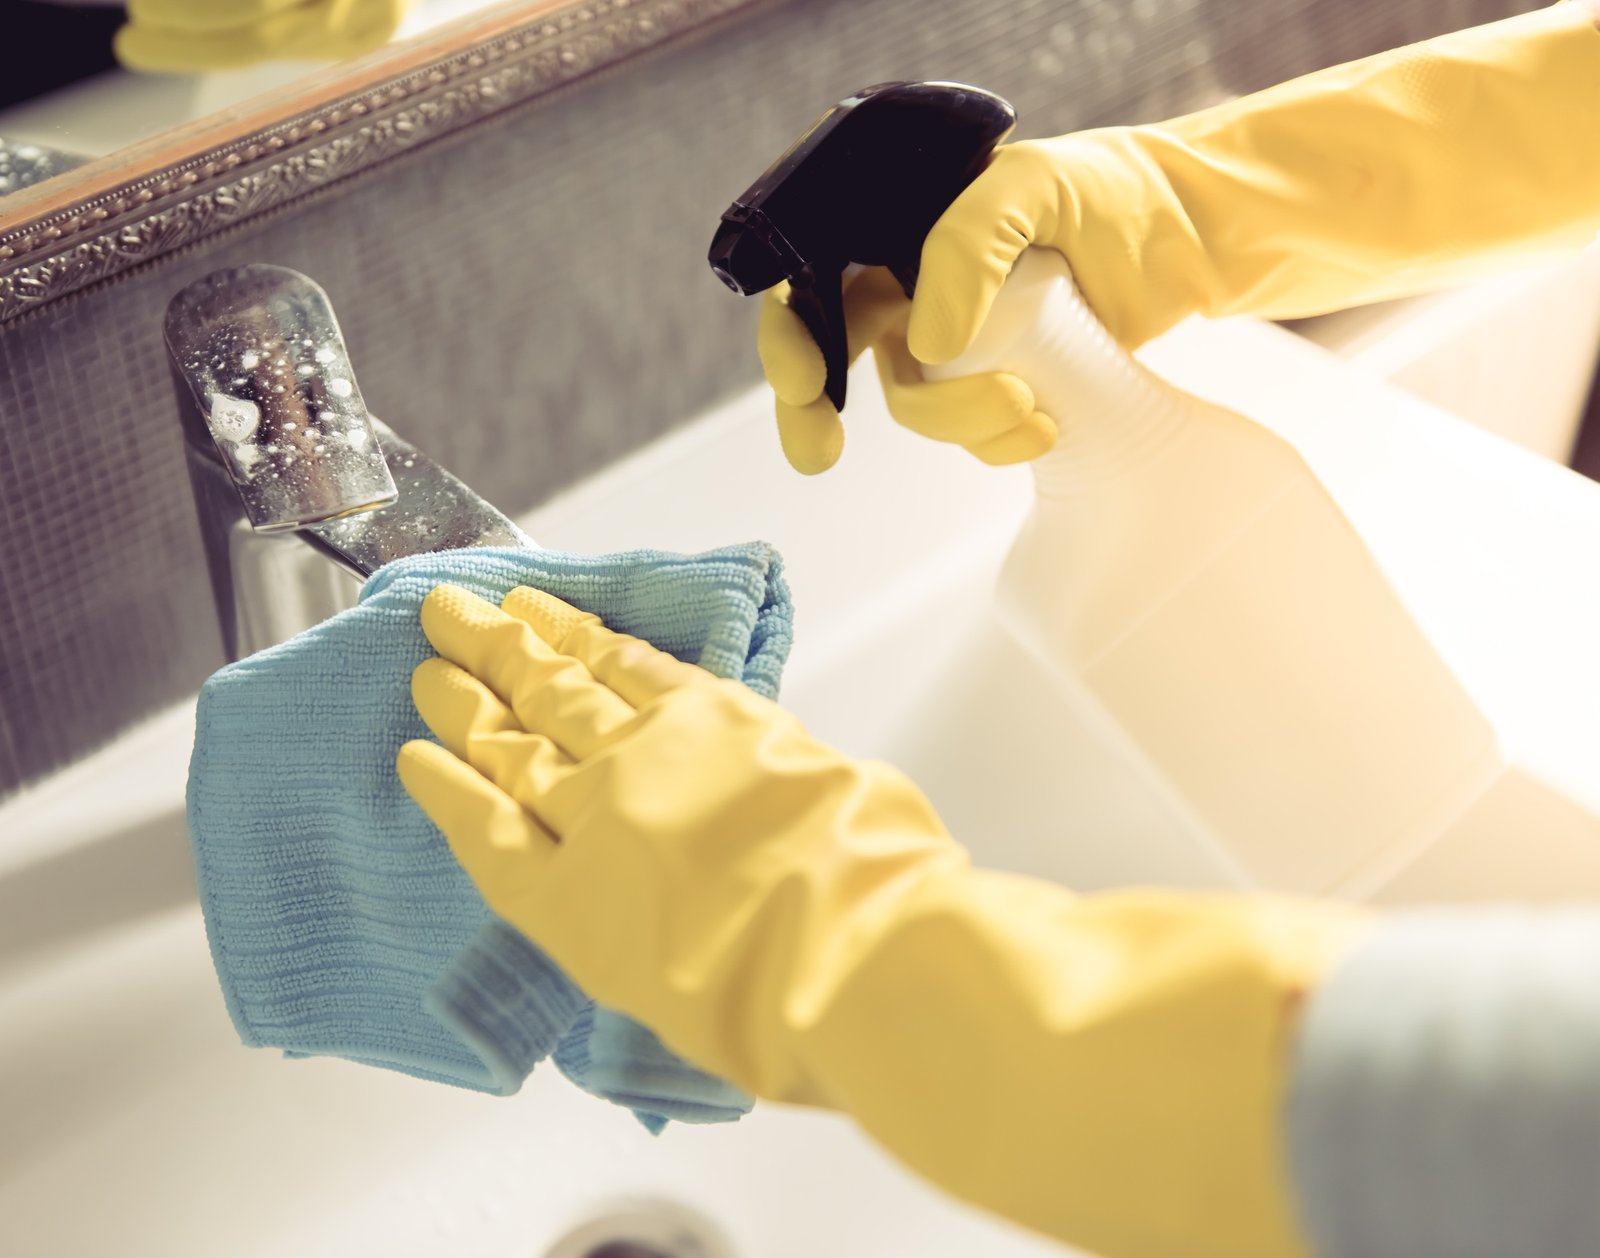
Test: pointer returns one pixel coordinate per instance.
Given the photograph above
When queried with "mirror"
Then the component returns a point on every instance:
(89, 78)
(104, 167)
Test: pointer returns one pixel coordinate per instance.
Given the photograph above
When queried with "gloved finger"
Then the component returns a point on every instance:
(205, 15)
(551, 693)
(811, 435)
(969, 251)
(1034, 436)
(967, 410)
(504, 849)
(477, 635)
(456, 706)
(809, 429)
(873, 302)
(472, 723)
(636, 671)
(475, 726)
(789, 356)
(874, 305)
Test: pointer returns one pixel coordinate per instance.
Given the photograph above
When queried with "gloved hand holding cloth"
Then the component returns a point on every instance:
(1107, 1069)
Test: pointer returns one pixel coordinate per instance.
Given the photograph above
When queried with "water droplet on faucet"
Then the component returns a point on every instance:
(233, 418)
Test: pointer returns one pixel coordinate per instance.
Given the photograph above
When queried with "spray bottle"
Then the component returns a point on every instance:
(1183, 569)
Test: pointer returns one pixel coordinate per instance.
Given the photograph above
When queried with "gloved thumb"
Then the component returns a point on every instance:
(968, 253)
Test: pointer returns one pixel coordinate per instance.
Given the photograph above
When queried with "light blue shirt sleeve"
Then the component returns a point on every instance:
(1445, 1094)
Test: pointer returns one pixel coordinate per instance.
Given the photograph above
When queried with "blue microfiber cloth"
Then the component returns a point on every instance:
(614, 1057)
(339, 922)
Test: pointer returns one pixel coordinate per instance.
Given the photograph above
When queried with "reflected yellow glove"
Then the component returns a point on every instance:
(1106, 1069)
(187, 36)
(1390, 176)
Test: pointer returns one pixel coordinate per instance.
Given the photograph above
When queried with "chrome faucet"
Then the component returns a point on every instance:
(301, 493)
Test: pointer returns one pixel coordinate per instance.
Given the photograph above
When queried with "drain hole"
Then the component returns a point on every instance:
(645, 1229)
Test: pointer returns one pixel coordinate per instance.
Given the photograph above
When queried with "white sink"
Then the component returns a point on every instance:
(133, 1123)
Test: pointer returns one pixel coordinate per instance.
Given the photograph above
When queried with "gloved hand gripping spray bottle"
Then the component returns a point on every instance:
(1182, 569)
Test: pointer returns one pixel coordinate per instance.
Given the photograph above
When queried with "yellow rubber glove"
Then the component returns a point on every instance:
(991, 415)
(189, 36)
(1106, 1069)
(1408, 171)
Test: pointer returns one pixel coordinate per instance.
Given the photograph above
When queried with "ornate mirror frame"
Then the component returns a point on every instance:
(199, 179)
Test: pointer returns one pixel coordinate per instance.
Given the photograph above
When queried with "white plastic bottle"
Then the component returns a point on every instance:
(1185, 571)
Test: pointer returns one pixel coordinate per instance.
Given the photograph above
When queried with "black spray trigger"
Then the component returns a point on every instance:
(863, 185)
(817, 296)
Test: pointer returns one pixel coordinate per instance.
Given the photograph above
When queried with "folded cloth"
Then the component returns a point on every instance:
(340, 924)
(508, 1000)
(612, 1056)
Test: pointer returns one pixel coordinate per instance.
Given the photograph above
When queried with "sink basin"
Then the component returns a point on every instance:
(132, 1122)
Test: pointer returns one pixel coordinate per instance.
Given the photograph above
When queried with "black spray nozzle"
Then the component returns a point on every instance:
(863, 185)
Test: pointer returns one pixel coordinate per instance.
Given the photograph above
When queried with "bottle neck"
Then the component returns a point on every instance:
(1113, 412)
(1121, 416)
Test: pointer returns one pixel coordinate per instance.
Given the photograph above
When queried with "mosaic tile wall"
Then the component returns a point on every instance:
(529, 300)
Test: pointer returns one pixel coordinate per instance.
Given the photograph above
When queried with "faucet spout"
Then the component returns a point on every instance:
(270, 392)
(301, 492)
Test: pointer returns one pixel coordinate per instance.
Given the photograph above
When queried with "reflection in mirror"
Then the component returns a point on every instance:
(87, 78)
